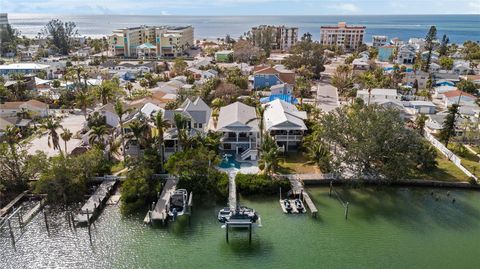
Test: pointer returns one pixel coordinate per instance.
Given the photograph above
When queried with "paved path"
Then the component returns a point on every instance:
(327, 96)
(74, 123)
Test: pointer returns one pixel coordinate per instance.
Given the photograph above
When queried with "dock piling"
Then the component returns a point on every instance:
(46, 222)
(226, 231)
(12, 236)
(331, 187)
(346, 211)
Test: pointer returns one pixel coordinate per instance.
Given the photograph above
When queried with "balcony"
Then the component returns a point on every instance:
(281, 138)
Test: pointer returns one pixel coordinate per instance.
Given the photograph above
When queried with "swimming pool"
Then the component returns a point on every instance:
(408, 70)
(228, 161)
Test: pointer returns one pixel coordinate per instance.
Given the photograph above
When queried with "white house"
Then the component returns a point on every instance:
(378, 94)
(285, 123)
(458, 97)
(239, 125)
(111, 117)
(406, 55)
(423, 107)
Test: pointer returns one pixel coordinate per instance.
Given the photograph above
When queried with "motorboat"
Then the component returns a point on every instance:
(287, 205)
(178, 203)
(299, 205)
(224, 214)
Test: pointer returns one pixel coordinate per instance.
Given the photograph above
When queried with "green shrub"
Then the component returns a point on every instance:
(259, 184)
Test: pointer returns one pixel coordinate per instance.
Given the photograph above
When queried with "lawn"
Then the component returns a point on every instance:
(294, 163)
(445, 171)
(469, 160)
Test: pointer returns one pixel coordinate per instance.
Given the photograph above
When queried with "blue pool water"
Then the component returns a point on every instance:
(391, 68)
(229, 162)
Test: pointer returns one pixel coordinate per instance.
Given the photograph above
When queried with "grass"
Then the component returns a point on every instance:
(117, 167)
(294, 163)
(469, 160)
(445, 171)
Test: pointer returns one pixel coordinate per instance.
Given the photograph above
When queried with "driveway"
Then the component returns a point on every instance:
(74, 123)
(327, 96)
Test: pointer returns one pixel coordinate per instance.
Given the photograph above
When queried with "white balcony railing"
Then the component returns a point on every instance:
(288, 137)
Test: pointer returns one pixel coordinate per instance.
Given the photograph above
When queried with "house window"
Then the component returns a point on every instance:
(200, 125)
(195, 125)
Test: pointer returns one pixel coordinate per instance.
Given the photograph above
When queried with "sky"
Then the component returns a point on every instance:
(241, 7)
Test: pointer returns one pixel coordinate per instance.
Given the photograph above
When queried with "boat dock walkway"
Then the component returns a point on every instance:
(159, 213)
(232, 194)
(95, 202)
(298, 189)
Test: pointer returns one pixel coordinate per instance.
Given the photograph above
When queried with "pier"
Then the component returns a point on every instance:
(91, 208)
(298, 189)
(159, 211)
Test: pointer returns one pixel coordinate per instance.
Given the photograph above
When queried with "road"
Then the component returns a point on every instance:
(74, 123)
(327, 96)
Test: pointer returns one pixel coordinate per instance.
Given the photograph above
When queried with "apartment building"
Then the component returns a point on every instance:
(343, 35)
(379, 41)
(279, 37)
(3, 20)
(151, 41)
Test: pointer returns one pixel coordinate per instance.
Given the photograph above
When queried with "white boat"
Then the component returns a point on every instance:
(178, 203)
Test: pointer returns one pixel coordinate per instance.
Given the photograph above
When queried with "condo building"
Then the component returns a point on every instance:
(3, 20)
(279, 37)
(379, 41)
(151, 41)
(342, 35)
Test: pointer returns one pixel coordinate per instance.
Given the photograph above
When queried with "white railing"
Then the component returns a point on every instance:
(449, 154)
(288, 137)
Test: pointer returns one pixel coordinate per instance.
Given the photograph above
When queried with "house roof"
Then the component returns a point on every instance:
(456, 93)
(37, 104)
(11, 105)
(421, 103)
(108, 107)
(22, 66)
(4, 123)
(280, 115)
(237, 117)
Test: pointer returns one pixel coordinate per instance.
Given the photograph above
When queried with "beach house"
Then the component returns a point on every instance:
(265, 76)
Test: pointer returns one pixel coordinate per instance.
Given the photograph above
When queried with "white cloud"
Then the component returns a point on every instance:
(347, 7)
(475, 5)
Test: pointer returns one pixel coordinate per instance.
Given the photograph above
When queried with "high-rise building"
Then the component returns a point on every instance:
(342, 35)
(151, 41)
(279, 37)
(3, 19)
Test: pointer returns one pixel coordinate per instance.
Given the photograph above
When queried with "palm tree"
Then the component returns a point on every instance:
(420, 122)
(319, 155)
(107, 90)
(120, 111)
(181, 125)
(260, 112)
(51, 125)
(12, 138)
(270, 156)
(369, 82)
(97, 135)
(83, 100)
(138, 129)
(160, 124)
(342, 79)
(129, 87)
(66, 136)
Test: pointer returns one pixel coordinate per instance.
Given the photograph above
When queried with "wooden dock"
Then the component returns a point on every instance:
(159, 212)
(95, 202)
(5, 210)
(298, 189)
(232, 193)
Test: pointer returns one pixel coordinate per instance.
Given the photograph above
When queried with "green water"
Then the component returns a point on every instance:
(386, 228)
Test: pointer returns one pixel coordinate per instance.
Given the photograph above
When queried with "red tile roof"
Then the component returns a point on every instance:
(456, 93)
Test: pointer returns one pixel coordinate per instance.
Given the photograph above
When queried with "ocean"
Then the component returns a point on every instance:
(458, 28)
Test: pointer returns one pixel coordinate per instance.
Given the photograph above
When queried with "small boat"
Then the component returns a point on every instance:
(287, 205)
(224, 214)
(178, 203)
(299, 205)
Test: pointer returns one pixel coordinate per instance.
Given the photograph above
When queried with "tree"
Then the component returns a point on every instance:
(51, 125)
(181, 125)
(448, 128)
(342, 79)
(83, 99)
(66, 136)
(179, 66)
(269, 157)
(107, 91)
(431, 36)
(302, 88)
(120, 111)
(245, 52)
(319, 155)
(61, 34)
(139, 129)
(161, 125)
(444, 46)
(467, 86)
(97, 136)
(309, 54)
(370, 141)
(420, 123)
(446, 63)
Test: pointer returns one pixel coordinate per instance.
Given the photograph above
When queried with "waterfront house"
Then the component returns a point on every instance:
(197, 114)
(265, 76)
(239, 125)
(285, 123)
(224, 56)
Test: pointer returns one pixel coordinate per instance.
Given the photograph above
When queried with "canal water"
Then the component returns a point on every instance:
(386, 228)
